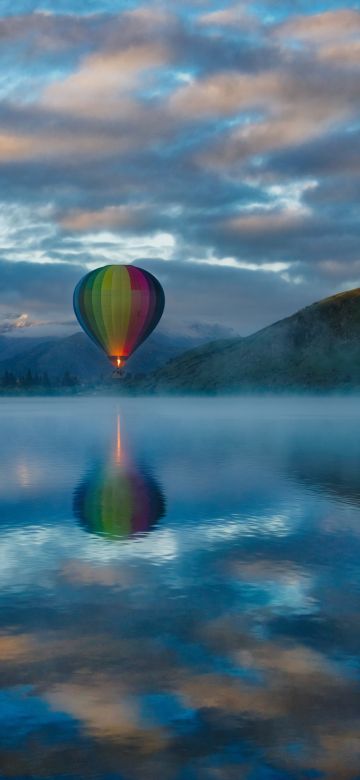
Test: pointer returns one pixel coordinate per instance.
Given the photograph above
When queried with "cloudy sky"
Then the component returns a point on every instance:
(215, 143)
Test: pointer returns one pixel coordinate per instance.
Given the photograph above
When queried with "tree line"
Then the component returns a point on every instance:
(34, 381)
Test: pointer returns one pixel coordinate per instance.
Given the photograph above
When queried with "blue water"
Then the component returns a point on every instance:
(179, 589)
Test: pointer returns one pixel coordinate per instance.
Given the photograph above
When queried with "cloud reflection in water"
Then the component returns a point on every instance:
(221, 646)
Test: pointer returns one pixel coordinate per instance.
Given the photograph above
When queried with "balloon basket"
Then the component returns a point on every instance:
(117, 373)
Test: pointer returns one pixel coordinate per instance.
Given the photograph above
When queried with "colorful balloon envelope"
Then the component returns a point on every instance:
(118, 306)
(117, 502)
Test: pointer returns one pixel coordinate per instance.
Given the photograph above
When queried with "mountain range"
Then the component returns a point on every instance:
(316, 348)
(78, 356)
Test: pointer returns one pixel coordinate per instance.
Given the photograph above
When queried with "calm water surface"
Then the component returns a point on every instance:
(180, 585)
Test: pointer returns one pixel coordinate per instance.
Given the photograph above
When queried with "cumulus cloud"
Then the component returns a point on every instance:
(203, 135)
(101, 83)
(15, 322)
(44, 289)
(58, 145)
(332, 36)
(109, 217)
(237, 15)
(323, 27)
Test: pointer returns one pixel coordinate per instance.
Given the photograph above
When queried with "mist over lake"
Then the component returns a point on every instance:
(179, 588)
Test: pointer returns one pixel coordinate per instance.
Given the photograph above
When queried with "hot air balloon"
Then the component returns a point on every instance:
(118, 306)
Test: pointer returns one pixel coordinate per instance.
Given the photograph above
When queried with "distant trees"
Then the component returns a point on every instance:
(69, 380)
(8, 379)
(38, 382)
(28, 380)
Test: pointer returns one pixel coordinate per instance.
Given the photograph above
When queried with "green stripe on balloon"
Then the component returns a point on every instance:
(105, 308)
(92, 323)
(96, 304)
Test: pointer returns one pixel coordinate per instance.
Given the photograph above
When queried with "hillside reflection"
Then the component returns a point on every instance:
(117, 498)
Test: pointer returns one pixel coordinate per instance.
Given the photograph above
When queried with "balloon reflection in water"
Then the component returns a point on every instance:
(118, 499)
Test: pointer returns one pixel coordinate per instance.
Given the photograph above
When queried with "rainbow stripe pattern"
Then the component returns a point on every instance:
(118, 502)
(118, 306)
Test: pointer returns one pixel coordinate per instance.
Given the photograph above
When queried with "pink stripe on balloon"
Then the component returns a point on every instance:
(141, 298)
(151, 309)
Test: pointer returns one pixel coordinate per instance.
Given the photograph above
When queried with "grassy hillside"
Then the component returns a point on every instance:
(318, 347)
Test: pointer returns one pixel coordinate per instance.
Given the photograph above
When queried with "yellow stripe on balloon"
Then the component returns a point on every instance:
(120, 309)
(106, 297)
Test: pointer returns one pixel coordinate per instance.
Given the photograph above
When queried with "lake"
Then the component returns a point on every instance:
(180, 583)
